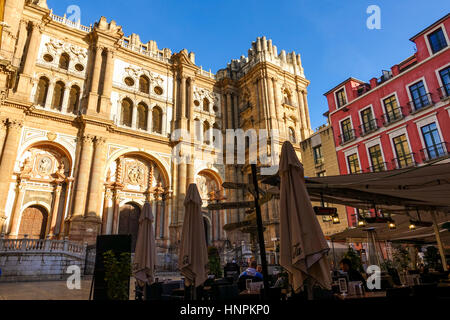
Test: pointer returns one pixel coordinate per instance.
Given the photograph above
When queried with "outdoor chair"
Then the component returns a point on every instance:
(242, 281)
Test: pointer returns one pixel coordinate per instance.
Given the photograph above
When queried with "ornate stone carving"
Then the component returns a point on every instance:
(57, 47)
(135, 174)
(44, 166)
(136, 72)
(201, 93)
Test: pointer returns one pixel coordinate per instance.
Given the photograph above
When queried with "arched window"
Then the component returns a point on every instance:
(127, 113)
(206, 105)
(157, 120)
(74, 99)
(41, 92)
(142, 112)
(64, 61)
(291, 135)
(144, 84)
(205, 130)
(58, 95)
(287, 97)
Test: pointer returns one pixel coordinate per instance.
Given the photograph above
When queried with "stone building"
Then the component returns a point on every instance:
(319, 159)
(86, 118)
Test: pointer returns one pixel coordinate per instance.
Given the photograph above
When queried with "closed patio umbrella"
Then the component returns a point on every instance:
(303, 248)
(145, 253)
(193, 256)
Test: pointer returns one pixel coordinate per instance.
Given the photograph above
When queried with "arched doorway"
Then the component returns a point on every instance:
(33, 223)
(129, 222)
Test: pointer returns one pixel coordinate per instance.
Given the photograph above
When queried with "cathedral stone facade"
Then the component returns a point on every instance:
(86, 115)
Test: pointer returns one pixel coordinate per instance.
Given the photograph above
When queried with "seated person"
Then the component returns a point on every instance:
(249, 273)
(352, 273)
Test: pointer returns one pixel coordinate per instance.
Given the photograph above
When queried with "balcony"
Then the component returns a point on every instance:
(444, 92)
(368, 127)
(404, 161)
(392, 116)
(420, 103)
(435, 151)
(318, 161)
(383, 166)
(347, 136)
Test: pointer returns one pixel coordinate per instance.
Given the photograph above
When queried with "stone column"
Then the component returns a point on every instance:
(191, 104)
(93, 95)
(134, 116)
(273, 116)
(105, 107)
(182, 117)
(181, 191)
(236, 111)
(83, 177)
(21, 41)
(93, 205)
(24, 85)
(149, 120)
(3, 128)
(302, 114)
(49, 99)
(7, 164)
(14, 219)
(54, 214)
(305, 103)
(229, 112)
(66, 99)
(107, 197)
(164, 123)
(116, 201)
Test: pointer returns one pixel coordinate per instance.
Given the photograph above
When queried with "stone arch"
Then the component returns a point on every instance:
(41, 93)
(126, 112)
(162, 167)
(157, 119)
(206, 180)
(58, 95)
(64, 61)
(142, 116)
(144, 84)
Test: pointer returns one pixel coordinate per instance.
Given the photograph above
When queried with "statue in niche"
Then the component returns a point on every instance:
(27, 166)
(45, 165)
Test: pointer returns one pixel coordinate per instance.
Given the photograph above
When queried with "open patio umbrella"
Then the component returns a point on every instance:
(303, 248)
(145, 253)
(193, 258)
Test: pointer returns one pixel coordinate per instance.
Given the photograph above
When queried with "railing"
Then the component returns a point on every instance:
(347, 136)
(152, 54)
(393, 116)
(70, 23)
(383, 166)
(368, 127)
(444, 92)
(435, 151)
(405, 161)
(318, 161)
(42, 245)
(420, 103)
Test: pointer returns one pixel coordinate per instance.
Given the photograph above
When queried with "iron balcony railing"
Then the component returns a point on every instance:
(444, 91)
(382, 166)
(404, 161)
(368, 127)
(420, 103)
(435, 151)
(347, 136)
(393, 116)
(318, 161)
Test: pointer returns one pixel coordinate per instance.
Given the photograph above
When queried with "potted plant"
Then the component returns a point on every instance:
(117, 274)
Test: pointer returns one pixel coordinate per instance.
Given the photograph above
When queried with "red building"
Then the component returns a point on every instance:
(401, 119)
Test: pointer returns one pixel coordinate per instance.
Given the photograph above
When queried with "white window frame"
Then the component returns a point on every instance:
(396, 133)
(383, 107)
(414, 82)
(335, 97)
(372, 143)
(348, 153)
(364, 108)
(438, 76)
(343, 119)
(427, 40)
(426, 121)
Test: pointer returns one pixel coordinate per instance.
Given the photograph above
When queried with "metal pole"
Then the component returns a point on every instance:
(334, 254)
(438, 240)
(262, 247)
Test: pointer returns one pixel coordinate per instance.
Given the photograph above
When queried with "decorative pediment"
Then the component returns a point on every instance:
(201, 93)
(57, 47)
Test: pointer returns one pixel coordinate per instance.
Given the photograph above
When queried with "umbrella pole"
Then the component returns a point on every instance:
(262, 247)
(439, 240)
(334, 254)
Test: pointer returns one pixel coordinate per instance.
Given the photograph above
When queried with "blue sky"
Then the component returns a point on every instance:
(331, 35)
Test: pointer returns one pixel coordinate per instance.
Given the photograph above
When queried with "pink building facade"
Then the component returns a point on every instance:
(401, 119)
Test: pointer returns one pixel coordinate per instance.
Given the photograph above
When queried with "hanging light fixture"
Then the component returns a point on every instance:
(392, 225)
(336, 219)
(361, 223)
(412, 226)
